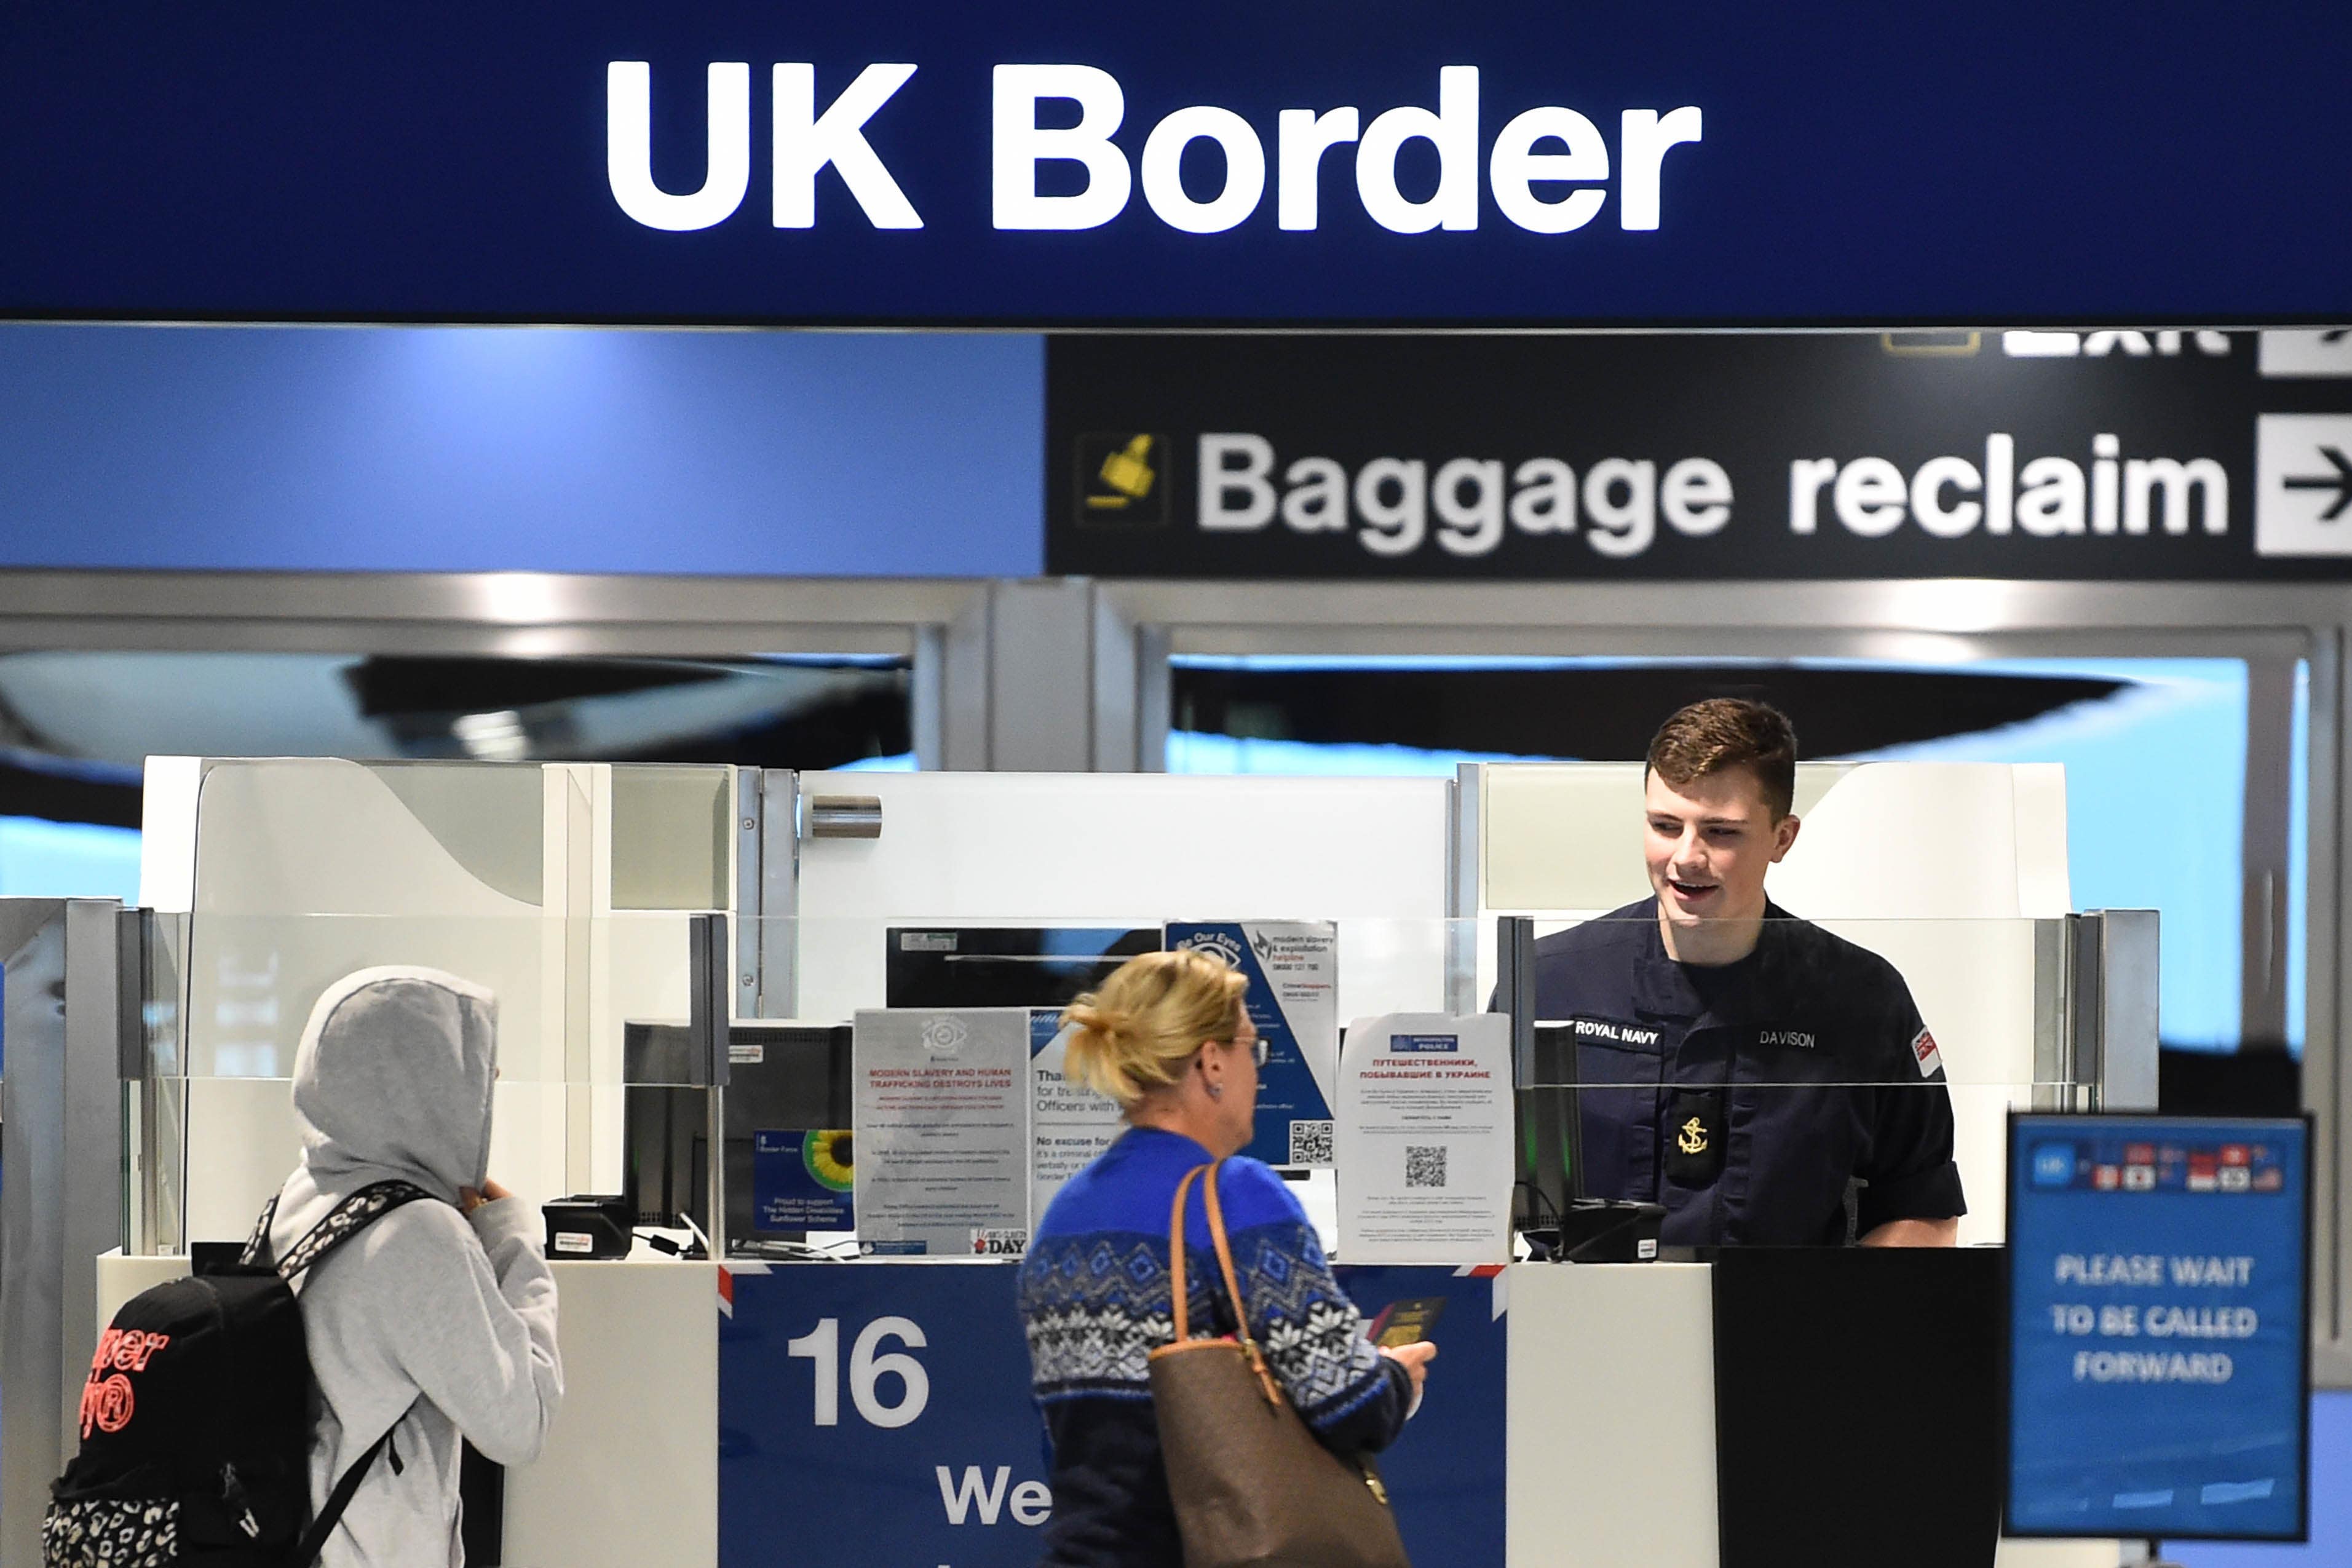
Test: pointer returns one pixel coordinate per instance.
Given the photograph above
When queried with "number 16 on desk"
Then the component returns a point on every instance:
(867, 1366)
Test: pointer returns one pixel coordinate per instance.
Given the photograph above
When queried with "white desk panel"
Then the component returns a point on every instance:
(1610, 1434)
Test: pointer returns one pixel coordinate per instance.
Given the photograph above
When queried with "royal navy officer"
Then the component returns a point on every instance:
(1768, 1082)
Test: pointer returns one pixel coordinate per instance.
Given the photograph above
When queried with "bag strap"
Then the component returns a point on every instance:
(1176, 1256)
(256, 1246)
(1225, 1253)
(345, 1220)
(1224, 1263)
(314, 1540)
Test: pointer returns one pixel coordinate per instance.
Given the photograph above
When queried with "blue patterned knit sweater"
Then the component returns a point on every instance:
(1095, 1300)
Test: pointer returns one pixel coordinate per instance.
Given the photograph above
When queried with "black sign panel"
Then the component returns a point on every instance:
(2020, 455)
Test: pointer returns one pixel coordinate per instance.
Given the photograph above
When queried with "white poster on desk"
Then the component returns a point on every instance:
(1070, 1125)
(942, 1129)
(1424, 1140)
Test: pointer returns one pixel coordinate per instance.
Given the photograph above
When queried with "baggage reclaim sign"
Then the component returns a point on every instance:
(1057, 163)
(2025, 454)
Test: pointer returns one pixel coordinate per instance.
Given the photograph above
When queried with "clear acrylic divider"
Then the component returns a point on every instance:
(1869, 1046)
(608, 1060)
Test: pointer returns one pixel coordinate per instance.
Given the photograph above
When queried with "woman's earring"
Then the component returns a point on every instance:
(1216, 1091)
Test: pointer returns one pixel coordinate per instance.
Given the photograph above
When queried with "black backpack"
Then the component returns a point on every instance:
(198, 1416)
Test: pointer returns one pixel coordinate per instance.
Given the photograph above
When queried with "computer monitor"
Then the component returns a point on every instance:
(1004, 966)
(1550, 1147)
(781, 1076)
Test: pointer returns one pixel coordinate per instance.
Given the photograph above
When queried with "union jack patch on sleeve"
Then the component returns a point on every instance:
(1923, 1051)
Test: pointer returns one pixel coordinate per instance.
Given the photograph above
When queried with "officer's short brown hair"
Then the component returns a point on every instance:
(1726, 732)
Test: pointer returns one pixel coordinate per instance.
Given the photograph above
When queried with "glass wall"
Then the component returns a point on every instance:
(2156, 752)
(76, 727)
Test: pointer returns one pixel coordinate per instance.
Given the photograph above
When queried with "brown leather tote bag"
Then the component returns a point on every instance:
(1253, 1487)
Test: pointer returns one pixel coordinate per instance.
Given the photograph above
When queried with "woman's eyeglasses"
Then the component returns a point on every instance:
(1256, 1048)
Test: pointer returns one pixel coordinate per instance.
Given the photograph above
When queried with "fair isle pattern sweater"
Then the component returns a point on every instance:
(1095, 1300)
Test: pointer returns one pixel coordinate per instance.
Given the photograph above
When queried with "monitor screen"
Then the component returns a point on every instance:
(787, 1083)
(1549, 1116)
(1004, 966)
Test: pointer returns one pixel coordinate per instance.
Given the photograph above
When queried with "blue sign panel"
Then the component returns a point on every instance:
(723, 454)
(1996, 160)
(887, 1404)
(1293, 1118)
(1446, 1471)
(2158, 1370)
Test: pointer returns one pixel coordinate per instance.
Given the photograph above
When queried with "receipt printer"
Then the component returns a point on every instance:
(1599, 1230)
(591, 1226)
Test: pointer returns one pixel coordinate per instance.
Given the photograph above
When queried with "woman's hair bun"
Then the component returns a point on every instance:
(1092, 1015)
(1138, 1032)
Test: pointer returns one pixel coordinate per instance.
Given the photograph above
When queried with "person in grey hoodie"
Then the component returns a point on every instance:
(436, 1321)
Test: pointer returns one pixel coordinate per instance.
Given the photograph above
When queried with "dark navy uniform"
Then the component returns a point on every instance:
(1791, 1098)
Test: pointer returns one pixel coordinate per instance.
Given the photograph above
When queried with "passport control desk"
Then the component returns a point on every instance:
(730, 1415)
(720, 1419)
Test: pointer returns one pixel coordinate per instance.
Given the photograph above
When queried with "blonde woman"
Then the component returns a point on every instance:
(1167, 1037)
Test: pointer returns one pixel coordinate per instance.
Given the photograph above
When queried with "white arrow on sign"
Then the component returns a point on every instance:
(2303, 484)
(2327, 352)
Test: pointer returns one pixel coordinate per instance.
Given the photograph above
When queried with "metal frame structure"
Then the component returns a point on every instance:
(1072, 674)
(62, 1203)
(1921, 621)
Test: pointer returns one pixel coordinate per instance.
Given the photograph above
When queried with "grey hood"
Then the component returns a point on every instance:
(392, 1080)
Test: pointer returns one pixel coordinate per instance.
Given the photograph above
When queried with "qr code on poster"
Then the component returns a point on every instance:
(1424, 1167)
(1310, 1143)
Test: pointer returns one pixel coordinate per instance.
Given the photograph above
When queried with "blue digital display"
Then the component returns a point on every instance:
(1987, 162)
(2158, 1370)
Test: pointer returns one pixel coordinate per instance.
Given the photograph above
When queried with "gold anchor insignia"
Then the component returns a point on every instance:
(1694, 1138)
